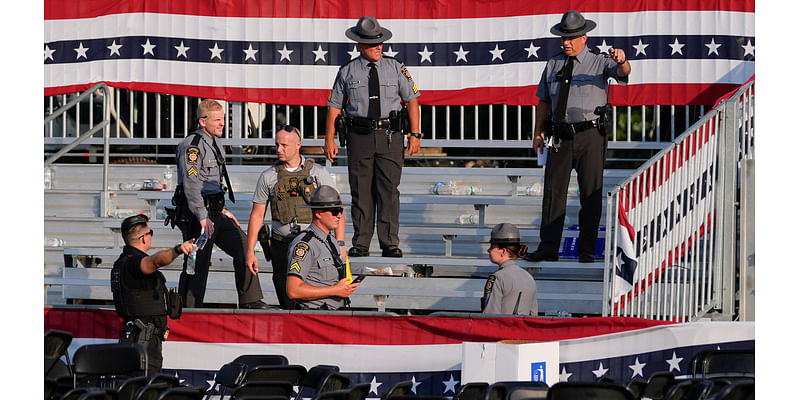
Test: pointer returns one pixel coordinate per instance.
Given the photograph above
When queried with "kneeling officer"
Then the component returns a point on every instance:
(316, 278)
(510, 289)
(140, 294)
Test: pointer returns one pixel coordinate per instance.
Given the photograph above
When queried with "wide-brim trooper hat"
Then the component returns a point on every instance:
(324, 197)
(504, 233)
(572, 24)
(368, 31)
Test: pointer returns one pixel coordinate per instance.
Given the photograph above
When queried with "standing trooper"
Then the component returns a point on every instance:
(510, 289)
(201, 197)
(573, 91)
(317, 278)
(369, 89)
(286, 187)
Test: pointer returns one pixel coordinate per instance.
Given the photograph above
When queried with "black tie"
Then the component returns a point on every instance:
(374, 93)
(565, 76)
(221, 163)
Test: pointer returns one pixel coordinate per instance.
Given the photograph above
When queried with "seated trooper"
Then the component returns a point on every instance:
(510, 289)
(316, 277)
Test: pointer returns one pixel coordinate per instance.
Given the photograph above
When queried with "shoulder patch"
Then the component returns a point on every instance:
(295, 266)
(192, 155)
(300, 251)
(405, 72)
(489, 284)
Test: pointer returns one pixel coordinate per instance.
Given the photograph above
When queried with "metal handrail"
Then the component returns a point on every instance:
(103, 125)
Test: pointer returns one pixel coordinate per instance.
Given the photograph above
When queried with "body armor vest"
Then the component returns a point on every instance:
(135, 303)
(293, 190)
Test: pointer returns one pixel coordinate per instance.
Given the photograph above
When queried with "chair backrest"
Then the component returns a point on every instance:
(699, 390)
(111, 359)
(741, 390)
(516, 390)
(471, 391)
(334, 381)
(56, 343)
(360, 391)
(729, 362)
(75, 393)
(128, 388)
(333, 395)
(293, 374)
(181, 393)
(151, 391)
(679, 390)
(263, 388)
(658, 384)
(254, 360)
(109, 394)
(55, 367)
(171, 380)
(316, 376)
(588, 390)
(637, 386)
(399, 389)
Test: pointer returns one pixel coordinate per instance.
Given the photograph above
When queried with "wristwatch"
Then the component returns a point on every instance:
(340, 242)
(417, 135)
(177, 249)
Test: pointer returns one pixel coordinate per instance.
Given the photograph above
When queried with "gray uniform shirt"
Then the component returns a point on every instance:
(352, 82)
(265, 190)
(313, 262)
(199, 170)
(504, 287)
(587, 91)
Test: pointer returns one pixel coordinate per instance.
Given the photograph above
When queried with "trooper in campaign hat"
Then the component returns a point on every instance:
(368, 31)
(510, 289)
(324, 197)
(572, 24)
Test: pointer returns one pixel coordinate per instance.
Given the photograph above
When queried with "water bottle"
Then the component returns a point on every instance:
(468, 190)
(444, 188)
(53, 242)
(48, 178)
(168, 184)
(130, 186)
(198, 245)
(531, 190)
(573, 190)
(541, 158)
(467, 219)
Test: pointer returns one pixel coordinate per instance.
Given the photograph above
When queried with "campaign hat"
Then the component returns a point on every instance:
(368, 31)
(572, 24)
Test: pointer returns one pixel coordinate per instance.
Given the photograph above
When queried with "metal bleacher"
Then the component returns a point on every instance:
(444, 267)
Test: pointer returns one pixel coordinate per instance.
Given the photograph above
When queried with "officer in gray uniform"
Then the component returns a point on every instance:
(370, 89)
(286, 186)
(201, 196)
(316, 278)
(510, 289)
(573, 97)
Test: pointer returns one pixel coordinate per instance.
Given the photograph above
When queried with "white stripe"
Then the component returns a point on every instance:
(654, 339)
(404, 30)
(321, 77)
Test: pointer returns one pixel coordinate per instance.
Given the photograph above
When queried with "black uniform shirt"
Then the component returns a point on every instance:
(132, 277)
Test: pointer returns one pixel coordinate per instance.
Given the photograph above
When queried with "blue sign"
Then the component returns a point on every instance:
(538, 373)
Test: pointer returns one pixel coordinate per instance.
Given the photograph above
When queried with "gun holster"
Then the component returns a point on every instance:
(263, 238)
(604, 122)
(398, 120)
(342, 130)
(174, 304)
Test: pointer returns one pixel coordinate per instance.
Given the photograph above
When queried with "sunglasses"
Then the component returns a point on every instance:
(334, 211)
(145, 234)
(290, 129)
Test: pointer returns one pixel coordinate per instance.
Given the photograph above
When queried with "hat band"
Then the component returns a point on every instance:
(365, 36)
(326, 204)
(565, 30)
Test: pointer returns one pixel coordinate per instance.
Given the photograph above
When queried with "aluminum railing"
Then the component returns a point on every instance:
(671, 251)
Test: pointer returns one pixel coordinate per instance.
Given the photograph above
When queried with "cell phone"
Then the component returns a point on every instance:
(358, 278)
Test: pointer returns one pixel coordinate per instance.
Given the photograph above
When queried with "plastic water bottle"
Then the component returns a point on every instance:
(541, 158)
(467, 219)
(130, 186)
(53, 242)
(168, 175)
(573, 190)
(48, 178)
(198, 245)
(443, 188)
(531, 190)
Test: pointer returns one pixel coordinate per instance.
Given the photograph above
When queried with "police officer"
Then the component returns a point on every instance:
(139, 290)
(316, 278)
(510, 289)
(286, 186)
(201, 170)
(374, 84)
(573, 86)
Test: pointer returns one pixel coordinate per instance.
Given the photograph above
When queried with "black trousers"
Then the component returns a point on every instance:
(233, 241)
(374, 167)
(586, 153)
(154, 357)
(280, 270)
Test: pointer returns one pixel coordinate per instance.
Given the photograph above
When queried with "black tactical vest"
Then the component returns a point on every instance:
(135, 303)
(293, 190)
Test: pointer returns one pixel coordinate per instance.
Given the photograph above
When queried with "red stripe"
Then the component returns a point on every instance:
(344, 329)
(633, 95)
(382, 9)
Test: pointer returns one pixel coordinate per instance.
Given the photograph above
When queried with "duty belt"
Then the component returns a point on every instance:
(572, 129)
(366, 123)
(284, 239)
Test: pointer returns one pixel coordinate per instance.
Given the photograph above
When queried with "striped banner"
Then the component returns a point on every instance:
(458, 51)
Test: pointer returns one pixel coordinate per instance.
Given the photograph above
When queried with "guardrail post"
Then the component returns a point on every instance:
(747, 249)
(237, 127)
(726, 210)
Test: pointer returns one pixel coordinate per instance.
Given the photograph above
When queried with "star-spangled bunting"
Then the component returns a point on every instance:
(465, 52)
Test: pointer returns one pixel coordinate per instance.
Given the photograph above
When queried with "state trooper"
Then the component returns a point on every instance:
(510, 289)
(573, 99)
(139, 291)
(370, 89)
(286, 186)
(200, 209)
(316, 278)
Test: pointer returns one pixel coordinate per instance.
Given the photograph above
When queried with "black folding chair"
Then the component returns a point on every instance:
(421, 397)
(740, 390)
(161, 377)
(471, 391)
(738, 362)
(637, 386)
(323, 378)
(151, 391)
(229, 376)
(56, 344)
(281, 390)
(74, 394)
(658, 384)
(360, 391)
(333, 395)
(108, 394)
(293, 374)
(588, 390)
(107, 365)
(128, 388)
(399, 389)
(254, 360)
(181, 393)
(512, 390)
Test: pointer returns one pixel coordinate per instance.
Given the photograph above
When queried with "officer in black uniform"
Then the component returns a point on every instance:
(140, 294)
(370, 89)
(317, 278)
(573, 95)
(510, 289)
(200, 201)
